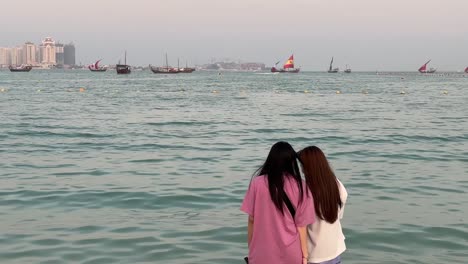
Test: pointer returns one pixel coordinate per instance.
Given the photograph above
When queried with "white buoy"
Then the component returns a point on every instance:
(338, 92)
(445, 92)
(2, 90)
(214, 91)
(38, 90)
(306, 91)
(402, 92)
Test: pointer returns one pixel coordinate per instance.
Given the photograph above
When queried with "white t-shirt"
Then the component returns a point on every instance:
(326, 241)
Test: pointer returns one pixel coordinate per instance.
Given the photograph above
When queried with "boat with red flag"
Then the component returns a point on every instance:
(96, 68)
(423, 69)
(288, 67)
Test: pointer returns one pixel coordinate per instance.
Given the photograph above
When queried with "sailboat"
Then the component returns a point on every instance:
(347, 70)
(423, 69)
(288, 67)
(165, 69)
(123, 68)
(331, 70)
(96, 68)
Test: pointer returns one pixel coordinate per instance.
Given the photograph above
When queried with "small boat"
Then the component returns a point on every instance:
(423, 69)
(123, 68)
(331, 69)
(288, 67)
(22, 68)
(96, 68)
(347, 70)
(466, 70)
(165, 69)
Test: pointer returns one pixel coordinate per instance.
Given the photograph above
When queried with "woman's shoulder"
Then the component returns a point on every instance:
(259, 180)
(343, 192)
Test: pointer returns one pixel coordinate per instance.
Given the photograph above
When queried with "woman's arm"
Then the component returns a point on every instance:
(303, 237)
(250, 229)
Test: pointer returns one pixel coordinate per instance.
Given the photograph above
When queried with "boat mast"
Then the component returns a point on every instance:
(167, 64)
(125, 57)
(331, 64)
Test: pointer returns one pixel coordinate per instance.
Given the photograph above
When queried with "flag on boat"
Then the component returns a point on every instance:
(289, 63)
(423, 68)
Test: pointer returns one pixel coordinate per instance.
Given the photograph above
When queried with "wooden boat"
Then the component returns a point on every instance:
(423, 69)
(22, 68)
(288, 67)
(331, 69)
(165, 69)
(347, 70)
(123, 68)
(96, 68)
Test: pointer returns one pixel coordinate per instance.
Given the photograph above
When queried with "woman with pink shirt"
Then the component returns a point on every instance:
(326, 241)
(280, 207)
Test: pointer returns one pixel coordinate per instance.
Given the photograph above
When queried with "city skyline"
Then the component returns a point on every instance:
(48, 54)
(365, 34)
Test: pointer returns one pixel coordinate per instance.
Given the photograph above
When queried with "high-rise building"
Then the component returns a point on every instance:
(48, 52)
(69, 54)
(4, 56)
(59, 54)
(38, 54)
(29, 53)
(16, 56)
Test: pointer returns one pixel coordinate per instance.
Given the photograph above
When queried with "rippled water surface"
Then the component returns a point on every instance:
(152, 169)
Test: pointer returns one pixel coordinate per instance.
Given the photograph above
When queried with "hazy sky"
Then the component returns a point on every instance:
(366, 34)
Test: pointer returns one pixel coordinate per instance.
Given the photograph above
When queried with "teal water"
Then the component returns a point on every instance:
(152, 169)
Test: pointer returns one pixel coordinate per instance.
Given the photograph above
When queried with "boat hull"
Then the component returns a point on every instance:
(273, 69)
(21, 69)
(186, 70)
(429, 71)
(123, 69)
(98, 70)
(164, 70)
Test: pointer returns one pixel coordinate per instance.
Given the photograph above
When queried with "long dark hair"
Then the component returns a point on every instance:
(281, 161)
(322, 183)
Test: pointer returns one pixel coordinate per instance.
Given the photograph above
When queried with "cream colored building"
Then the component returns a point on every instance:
(4, 56)
(16, 56)
(29, 53)
(48, 52)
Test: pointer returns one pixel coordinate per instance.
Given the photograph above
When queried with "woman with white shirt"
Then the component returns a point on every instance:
(326, 241)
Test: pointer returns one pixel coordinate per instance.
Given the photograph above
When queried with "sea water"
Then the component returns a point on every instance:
(146, 168)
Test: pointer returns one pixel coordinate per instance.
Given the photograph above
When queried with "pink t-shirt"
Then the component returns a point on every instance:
(275, 239)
